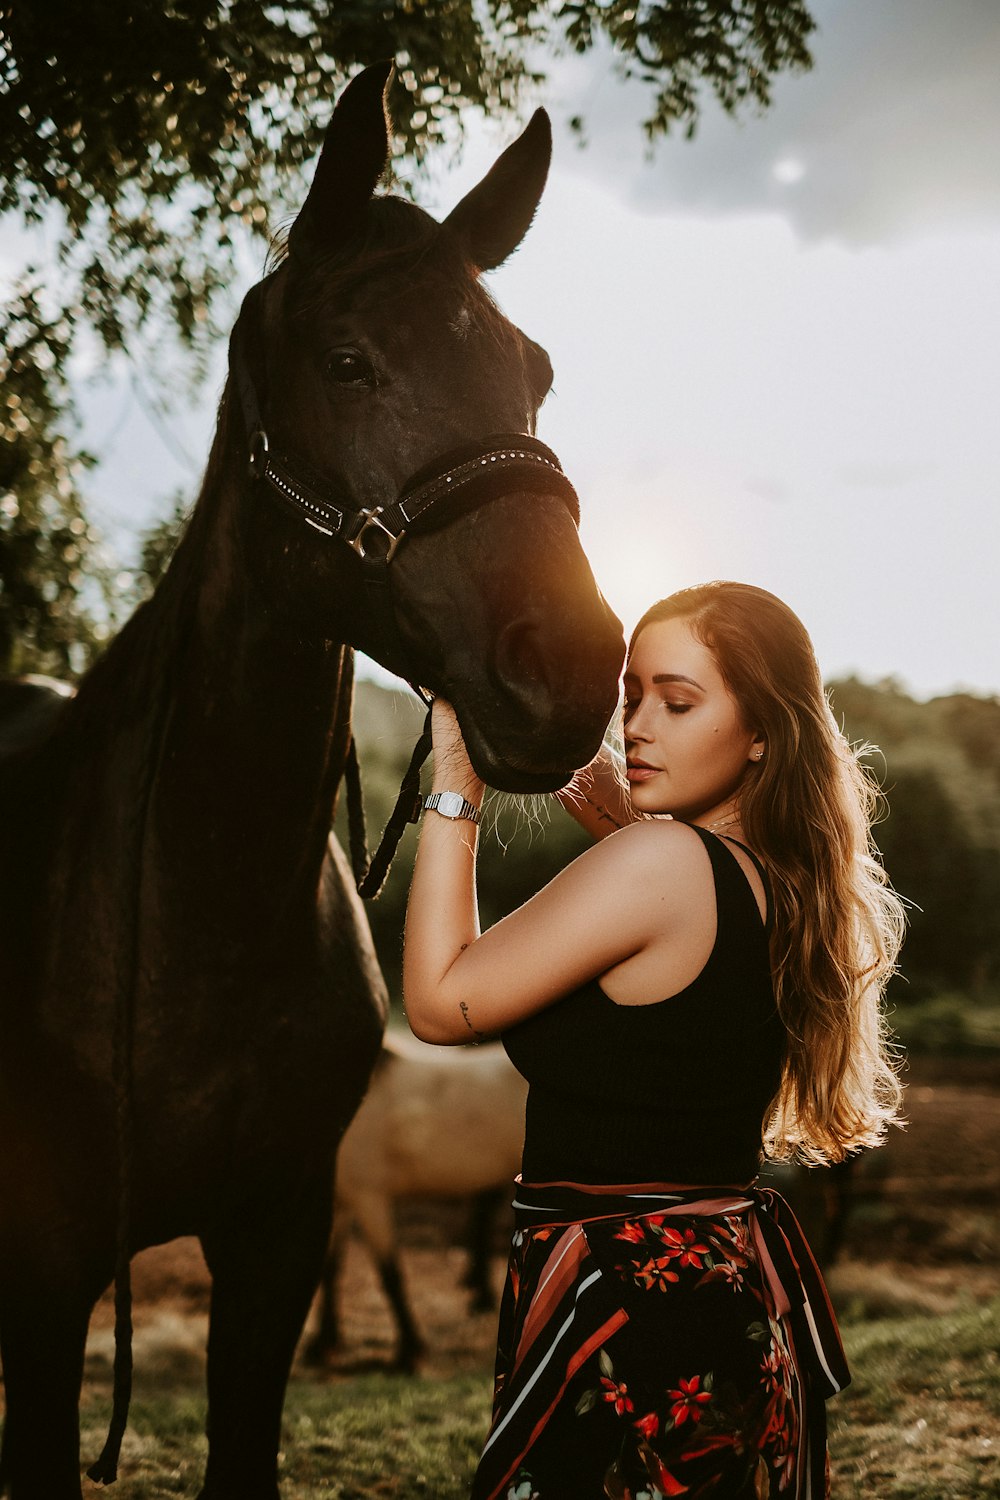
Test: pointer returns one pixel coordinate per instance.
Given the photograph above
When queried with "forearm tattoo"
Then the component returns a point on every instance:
(480, 1036)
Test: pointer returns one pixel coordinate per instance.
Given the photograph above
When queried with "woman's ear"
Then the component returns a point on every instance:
(758, 750)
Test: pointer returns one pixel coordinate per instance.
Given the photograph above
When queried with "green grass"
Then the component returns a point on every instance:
(376, 1437)
(921, 1421)
(921, 1418)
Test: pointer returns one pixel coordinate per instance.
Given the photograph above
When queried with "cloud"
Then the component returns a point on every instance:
(894, 132)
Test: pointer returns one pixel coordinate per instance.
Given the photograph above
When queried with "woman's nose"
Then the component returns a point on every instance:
(635, 728)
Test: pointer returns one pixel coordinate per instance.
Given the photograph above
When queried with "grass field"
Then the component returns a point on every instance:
(917, 1292)
(921, 1420)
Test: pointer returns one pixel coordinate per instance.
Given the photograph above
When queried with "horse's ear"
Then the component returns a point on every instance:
(353, 158)
(494, 217)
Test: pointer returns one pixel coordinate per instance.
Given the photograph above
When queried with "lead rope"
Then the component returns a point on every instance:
(105, 1470)
(370, 871)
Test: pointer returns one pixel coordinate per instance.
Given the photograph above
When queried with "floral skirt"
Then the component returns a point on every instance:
(657, 1341)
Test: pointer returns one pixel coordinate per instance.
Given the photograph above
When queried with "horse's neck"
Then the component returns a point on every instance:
(243, 735)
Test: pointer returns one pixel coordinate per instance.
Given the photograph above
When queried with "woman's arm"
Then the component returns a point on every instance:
(607, 905)
(597, 796)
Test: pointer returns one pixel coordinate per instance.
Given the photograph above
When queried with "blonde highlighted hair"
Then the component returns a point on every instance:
(806, 808)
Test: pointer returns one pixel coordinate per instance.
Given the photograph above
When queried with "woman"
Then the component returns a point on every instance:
(692, 990)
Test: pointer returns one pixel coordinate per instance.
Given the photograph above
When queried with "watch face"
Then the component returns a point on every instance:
(450, 803)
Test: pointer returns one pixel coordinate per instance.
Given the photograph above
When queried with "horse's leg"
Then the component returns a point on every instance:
(838, 1201)
(327, 1336)
(376, 1221)
(411, 1347)
(479, 1239)
(265, 1267)
(44, 1313)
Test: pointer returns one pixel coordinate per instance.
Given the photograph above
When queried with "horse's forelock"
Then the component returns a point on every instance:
(392, 236)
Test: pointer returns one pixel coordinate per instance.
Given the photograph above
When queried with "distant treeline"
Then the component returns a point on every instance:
(937, 762)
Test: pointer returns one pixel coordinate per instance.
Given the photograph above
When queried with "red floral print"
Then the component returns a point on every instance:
(616, 1391)
(689, 1401)
(655, 1273)
(649, 1425)
(631, 1230)
(684, 1246)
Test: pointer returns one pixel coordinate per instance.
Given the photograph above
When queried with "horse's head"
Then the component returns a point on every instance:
(377, 366)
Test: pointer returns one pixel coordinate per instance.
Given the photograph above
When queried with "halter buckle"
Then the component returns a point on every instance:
(371, 520)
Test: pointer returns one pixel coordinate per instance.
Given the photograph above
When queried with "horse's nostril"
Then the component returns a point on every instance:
(519, 661)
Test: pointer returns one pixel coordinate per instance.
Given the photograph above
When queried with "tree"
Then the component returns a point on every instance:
(45, 539)
(940, 838)
(952, 883)
(148, 135)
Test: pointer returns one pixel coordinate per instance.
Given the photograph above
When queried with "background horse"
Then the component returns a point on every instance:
(189, 1001)
(436, 1122)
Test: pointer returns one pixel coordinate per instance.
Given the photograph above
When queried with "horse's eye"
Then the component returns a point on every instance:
(348, 368)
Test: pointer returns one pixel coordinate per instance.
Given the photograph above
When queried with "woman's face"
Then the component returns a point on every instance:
(687, 747)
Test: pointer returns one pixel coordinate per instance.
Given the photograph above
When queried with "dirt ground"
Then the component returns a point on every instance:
(899, 1245)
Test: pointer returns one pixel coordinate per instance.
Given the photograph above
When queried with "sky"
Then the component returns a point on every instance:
(776, 346)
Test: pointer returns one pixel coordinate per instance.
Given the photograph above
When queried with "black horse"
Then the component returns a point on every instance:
(189, 1000)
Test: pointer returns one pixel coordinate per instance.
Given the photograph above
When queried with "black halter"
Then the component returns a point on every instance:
(453, 484)
(458, 481)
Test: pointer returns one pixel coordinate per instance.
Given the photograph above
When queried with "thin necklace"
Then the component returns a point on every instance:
(723, 823)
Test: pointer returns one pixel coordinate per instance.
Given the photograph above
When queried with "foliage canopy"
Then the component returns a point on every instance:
(44, 533)
(157, 128)
(147, 135)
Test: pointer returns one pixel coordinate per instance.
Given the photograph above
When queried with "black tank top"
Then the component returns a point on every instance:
(674, 1091)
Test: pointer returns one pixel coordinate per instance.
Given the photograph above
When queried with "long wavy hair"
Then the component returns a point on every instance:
(807, 808)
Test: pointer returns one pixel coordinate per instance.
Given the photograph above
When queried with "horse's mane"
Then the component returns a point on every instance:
(117, 686)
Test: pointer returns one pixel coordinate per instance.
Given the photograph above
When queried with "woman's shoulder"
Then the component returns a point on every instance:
(653, 857)
(660, 837)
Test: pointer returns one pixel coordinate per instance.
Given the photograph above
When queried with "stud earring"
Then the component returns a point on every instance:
(758, 755)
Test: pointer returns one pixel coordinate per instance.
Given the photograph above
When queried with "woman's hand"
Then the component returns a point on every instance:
(453, 770)
(597, 797)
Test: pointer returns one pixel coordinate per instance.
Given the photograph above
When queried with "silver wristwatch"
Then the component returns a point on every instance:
(451, 805)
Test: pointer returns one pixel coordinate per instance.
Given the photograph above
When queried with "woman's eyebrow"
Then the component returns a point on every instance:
(676, 677)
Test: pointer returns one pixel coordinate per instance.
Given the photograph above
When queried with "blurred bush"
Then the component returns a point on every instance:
(951, 1024)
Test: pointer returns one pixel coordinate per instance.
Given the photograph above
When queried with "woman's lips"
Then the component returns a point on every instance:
(638, 771)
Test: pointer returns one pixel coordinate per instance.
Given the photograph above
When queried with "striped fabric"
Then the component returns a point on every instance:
(563, 1312)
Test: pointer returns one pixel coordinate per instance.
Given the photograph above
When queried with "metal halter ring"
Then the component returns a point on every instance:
(258, 453)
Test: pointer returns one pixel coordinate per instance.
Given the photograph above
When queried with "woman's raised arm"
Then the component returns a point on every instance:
(607, 905)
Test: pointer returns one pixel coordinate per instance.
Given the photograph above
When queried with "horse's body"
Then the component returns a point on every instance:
(185, 970)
